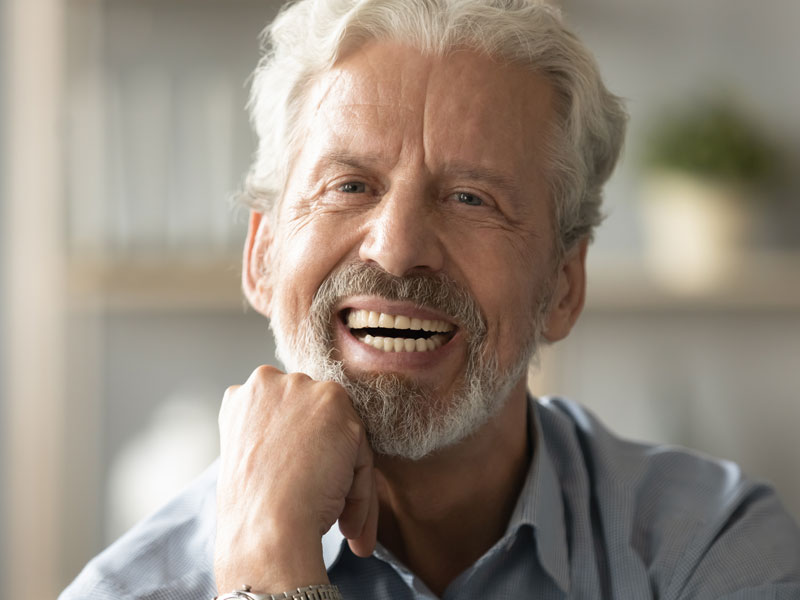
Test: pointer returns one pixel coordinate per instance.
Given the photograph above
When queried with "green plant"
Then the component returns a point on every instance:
(711, 139)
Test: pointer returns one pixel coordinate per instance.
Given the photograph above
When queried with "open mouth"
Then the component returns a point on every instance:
(397, 333)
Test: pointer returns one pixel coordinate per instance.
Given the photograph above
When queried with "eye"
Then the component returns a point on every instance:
(353, 187)
(469, 199)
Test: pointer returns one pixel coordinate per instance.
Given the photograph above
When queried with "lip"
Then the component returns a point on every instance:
(362, 357)
(392, 307)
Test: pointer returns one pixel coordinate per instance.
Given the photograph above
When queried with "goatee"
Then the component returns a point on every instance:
(402, 417)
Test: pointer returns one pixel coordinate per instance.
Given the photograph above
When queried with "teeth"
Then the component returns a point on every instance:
(389, 344)
(361, 319)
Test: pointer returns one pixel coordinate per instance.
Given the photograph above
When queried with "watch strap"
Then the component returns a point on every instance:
(309, 592)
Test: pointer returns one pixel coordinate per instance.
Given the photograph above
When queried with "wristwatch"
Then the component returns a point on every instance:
(310, 592)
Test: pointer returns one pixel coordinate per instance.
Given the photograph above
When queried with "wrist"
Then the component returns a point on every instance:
(278, 562)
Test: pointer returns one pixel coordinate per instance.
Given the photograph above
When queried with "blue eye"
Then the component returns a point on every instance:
(469, 199)
(353, 187)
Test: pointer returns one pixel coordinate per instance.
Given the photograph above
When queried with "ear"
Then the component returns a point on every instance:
(569, 294)
(256, 282)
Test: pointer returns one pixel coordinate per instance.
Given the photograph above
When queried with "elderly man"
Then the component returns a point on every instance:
(428, 178)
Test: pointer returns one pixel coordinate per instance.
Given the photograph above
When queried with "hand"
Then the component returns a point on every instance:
(294, 460)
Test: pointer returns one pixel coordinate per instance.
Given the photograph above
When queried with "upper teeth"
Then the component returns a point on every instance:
(361, 319)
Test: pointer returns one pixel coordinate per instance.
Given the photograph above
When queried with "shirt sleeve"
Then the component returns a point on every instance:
(167, 556)
(753, 555)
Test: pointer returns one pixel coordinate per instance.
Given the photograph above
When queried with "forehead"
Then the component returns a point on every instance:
(388, 100)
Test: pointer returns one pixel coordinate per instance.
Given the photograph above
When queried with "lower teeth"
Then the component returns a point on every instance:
(391, 344)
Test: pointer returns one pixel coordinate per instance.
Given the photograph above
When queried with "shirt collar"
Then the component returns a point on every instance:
(539, 505)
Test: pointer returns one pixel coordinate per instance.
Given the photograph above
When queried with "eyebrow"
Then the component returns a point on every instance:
(346, 159)
(496, 178)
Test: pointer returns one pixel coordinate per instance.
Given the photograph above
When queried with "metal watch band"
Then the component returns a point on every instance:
(310, 592)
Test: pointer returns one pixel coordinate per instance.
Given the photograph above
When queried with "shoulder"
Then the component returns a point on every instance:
(618, 465)
(695, 524)
(167, 556)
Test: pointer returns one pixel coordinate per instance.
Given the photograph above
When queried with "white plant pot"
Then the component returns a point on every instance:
(695, 230)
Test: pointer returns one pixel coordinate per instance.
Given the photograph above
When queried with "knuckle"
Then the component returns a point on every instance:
(264, 372)
(353, 430)
(332, 400)
(297, 379)
(334, 405)
(230, 391)
(294, 383)
(330, 391)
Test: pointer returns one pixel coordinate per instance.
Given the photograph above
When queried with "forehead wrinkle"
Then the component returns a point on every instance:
(426, 92)
(344, 142)
(339, 82)
(452, 96)
(365, 93)
(322, 88)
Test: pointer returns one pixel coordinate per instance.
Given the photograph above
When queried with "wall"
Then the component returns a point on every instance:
(3, 334)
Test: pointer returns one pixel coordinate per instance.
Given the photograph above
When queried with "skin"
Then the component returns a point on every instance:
(413, 163)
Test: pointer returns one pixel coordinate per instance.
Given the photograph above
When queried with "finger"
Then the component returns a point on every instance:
(226, 400)
(364, 544)
(359, 497)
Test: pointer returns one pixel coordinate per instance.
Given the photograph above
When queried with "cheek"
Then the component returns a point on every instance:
(308, 254)
(507, 280)
(505, 301)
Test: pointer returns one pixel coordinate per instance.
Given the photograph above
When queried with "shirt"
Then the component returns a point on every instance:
(598, 517)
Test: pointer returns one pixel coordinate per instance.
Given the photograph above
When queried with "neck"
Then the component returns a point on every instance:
(442, 513)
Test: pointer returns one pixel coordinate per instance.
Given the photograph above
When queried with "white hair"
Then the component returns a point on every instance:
(309, 36)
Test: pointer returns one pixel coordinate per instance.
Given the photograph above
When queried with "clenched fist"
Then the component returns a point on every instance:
(294, 460)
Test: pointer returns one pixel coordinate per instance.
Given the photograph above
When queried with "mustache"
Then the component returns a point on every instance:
(435, 291)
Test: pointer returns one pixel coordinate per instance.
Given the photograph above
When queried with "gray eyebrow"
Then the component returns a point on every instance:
(466, 171)
(495, 178)
(347, 159)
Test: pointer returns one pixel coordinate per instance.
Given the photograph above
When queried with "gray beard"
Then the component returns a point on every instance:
(402, 417)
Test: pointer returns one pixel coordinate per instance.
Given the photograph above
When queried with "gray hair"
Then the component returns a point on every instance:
(309, 36)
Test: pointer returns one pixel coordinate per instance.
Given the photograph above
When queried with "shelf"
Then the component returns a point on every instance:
(152, 283)
(617, 283)
(764, 281)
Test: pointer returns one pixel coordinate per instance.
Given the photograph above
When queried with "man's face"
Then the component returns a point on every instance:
(417, 214)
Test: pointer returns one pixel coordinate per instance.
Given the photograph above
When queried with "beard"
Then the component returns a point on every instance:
(402, 417)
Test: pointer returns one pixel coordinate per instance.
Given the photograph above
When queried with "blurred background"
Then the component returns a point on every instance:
(124, 136)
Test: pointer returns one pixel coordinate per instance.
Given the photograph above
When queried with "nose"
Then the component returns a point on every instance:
(403, 235)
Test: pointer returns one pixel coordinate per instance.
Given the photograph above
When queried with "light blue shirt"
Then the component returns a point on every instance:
(598, 517)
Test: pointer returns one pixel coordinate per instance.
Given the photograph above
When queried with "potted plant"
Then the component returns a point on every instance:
(706, 171)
